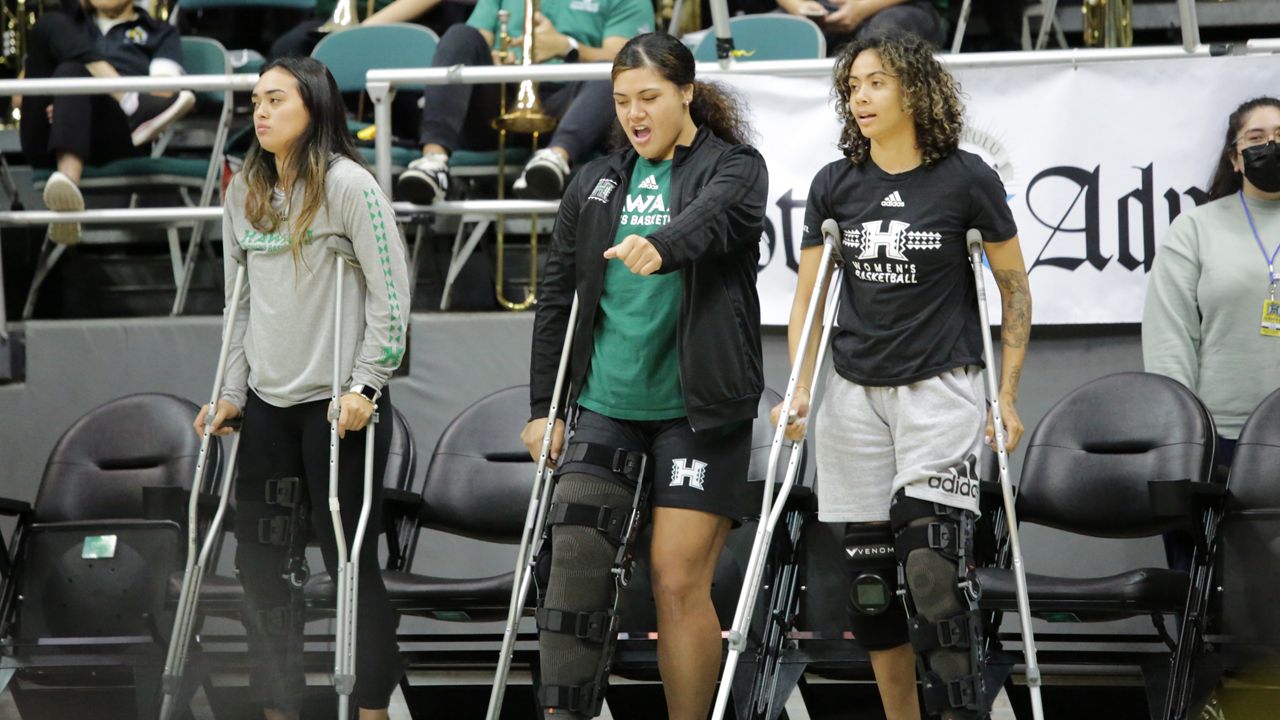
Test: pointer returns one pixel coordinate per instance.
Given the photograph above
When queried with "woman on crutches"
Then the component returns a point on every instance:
(660, 241)
(303, 188)
(903, 415)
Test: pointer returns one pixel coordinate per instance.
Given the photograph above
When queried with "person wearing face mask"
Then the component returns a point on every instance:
(660, 241)
(303, 185)
(1206, 322)
(1212, 315)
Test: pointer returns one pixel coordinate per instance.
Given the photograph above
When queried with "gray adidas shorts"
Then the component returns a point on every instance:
(925, 437)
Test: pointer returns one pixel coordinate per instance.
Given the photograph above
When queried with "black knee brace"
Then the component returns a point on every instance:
(276, 513)
(876, 613)
(272, 527)
(934, 548)
(585, 560)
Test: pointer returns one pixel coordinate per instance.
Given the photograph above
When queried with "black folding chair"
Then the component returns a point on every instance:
(83, 597)
(1128, 455)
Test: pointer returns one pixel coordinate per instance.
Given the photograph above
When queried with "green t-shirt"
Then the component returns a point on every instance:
(587, 21)
(635, 364)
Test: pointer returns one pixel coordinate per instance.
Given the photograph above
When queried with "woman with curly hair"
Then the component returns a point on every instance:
(902, 422)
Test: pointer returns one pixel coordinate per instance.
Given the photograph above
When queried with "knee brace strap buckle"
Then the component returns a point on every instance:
(582, 699)
(283, 491)
(274, 530)
(957, 631)
(963, 693)
(945, 536)
(627, 463)
(594, 626)
(603, 518)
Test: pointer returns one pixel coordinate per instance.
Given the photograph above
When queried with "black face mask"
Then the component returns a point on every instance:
(1262, 166)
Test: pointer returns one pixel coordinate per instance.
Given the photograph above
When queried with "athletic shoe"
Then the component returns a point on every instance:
(543, 177)
(425, 181)
(157, 113)
(62, 195)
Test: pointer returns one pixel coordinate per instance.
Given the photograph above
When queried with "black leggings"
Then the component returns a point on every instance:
(293, 442)
(91, 127)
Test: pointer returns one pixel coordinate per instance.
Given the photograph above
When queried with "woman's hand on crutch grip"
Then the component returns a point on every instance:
(532, 436)
(799, 415)
(354, 411)
(1012, 425)
(226, 411)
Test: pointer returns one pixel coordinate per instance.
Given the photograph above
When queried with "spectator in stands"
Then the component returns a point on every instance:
(435, 14)
(106, 39)
(1211, 319)
(845, 20)
(460, 116)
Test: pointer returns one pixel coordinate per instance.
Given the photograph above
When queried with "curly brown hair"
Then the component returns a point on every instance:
(930, 95)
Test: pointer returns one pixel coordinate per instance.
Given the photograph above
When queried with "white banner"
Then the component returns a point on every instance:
(1096, 159)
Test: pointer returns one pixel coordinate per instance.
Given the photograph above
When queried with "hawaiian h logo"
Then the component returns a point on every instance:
(874, 238)
(604, 188)
(694, 471)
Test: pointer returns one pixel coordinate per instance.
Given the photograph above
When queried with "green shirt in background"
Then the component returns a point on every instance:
(635, 364)
(587, 21)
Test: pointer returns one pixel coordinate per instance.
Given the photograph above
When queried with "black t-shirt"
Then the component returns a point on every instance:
(131, 46)
(908, 308)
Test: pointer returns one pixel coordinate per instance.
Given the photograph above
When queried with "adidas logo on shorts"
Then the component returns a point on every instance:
(893, 199)
(650, 183)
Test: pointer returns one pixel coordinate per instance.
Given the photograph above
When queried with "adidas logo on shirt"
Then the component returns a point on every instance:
(650, 183)
(893, 199)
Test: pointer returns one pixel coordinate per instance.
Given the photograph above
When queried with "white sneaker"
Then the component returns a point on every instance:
(147, 130)
(62, 195)
(425, 181)
(543, 177)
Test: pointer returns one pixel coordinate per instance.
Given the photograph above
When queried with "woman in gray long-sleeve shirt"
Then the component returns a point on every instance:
(1212, 283)
(1203, 322)
(303, 186)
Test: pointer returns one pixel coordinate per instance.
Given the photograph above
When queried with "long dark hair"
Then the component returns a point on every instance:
(714, 105)
(1226, 181)
(326, 136)
(930, 95)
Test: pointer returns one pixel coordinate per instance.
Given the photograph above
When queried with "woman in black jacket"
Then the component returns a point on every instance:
(660, 241)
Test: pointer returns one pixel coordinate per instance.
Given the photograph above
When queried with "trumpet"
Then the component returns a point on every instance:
(16, 19)
(1108, 23)
(344, 16)
(527, 117)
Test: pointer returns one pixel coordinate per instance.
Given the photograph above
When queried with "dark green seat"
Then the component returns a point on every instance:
(772, 36)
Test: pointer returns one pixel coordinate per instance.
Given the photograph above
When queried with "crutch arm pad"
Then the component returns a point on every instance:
(12, 506)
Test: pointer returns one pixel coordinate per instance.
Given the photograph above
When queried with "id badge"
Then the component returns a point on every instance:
(1270, 318)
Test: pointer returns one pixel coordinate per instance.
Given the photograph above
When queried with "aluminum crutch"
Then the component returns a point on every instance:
(830, 274)
(531, 537)
(193, 575)
(974, 239)
(344, 664)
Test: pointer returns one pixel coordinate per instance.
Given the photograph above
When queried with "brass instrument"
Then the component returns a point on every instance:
(344, 16)
(529, 118)
(1108, 23)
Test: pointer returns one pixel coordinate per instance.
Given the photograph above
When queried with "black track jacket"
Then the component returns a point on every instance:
(718, 196)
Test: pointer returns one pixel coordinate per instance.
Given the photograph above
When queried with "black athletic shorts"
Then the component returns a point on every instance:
(705, 470)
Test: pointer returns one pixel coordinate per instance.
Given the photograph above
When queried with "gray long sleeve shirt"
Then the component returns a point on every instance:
(1203, 312)
(282, 346)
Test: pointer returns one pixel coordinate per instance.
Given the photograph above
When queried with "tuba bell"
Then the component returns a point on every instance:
(527, 117)
(1108, 23)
